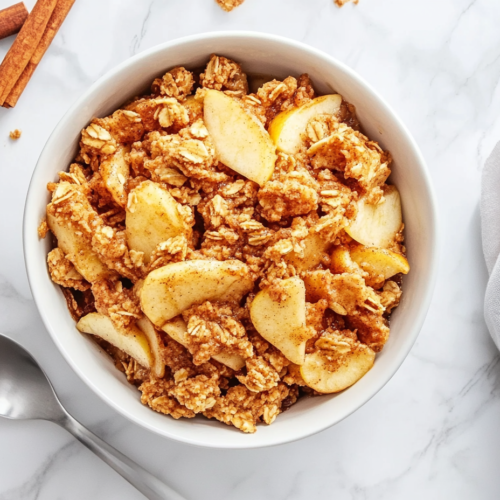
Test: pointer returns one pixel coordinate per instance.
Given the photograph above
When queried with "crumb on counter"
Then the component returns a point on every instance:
(341, 3)
(229, 5)
(15, 134)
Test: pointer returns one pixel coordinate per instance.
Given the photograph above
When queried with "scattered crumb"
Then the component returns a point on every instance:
(229, 5)
(15, 134)
(341, 3)
(43, 229)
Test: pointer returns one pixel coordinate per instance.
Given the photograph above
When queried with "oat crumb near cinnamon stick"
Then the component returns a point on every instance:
(15, 134)
(341, 3)
(229, 5)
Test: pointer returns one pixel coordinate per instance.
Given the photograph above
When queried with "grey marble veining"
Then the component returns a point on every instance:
(433, 431)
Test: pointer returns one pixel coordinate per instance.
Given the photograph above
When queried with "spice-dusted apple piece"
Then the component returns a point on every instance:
(240, 140)
(379, 261)
(155, 343)
(152, 217)
(75, 244)
(376, 265)
(133, 342)
(287, 127)
(115, 173)
(177, 329)
(170, 290)
(378, 225)
(337, 364)
(341, 261)
(314, 250)
(283, 324)
(78, 250)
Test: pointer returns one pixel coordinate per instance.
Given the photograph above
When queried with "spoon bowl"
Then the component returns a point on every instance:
(26, 393)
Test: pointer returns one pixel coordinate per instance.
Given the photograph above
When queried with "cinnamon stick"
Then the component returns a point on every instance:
(24, 46)
(56, 19)
(12, 19)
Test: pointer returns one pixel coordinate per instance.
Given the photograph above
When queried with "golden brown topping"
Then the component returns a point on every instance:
(177, 82)
(193, 157)
(111, 247)
(371, 328)
(244, 408)
(98, 140)
(125, 126)
(292, 196)
(390, 295)
(64, 273)
(214, 328)
(155, 393)
(343, 292)
(15, 134)
(198, 393)
(350, 152)
(261, 376)
(117, 302)
(173, 250)
(223, 74)
(276, 96)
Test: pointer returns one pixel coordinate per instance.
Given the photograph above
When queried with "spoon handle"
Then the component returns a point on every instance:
(151, 487)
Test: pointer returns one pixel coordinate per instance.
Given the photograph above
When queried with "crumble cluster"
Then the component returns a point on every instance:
(162, 138)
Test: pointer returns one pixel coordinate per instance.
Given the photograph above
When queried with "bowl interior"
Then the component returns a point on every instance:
(259, 54)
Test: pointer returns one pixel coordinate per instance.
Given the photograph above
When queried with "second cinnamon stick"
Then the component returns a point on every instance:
(12, 19)
(56, 19)
(24, 46)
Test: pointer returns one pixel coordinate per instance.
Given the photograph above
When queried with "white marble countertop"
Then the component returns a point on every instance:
(434, 430)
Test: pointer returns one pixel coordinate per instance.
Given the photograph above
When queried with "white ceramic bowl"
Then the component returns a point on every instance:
(259, 54)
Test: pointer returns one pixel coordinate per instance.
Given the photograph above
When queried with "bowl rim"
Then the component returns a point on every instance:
(302, 431)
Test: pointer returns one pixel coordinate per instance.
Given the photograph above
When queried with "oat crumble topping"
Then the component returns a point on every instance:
(295, 227)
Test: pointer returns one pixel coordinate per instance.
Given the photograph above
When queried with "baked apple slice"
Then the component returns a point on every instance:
(283, 324)
(240, 140)
(170, 290)
(377, 225)
(288, 126)
(115, 173)
(155, 344)
(78, 249)
(133, 342)
(338, 367)
(379, 261)
(152, 217)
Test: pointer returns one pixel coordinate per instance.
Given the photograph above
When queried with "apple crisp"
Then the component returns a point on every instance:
(232, 251)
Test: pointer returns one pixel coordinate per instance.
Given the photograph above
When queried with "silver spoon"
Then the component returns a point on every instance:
(26, 393)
